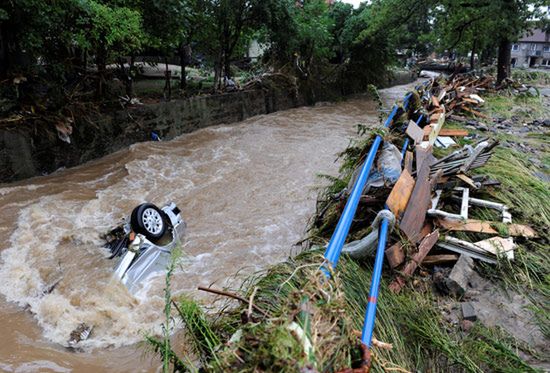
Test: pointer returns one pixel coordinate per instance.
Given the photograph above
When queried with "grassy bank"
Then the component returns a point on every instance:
(291, 318)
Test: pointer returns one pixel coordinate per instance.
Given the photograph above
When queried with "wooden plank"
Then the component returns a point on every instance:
(479, 226)
(453, 132)
(408, 164)
(416, 133)
(400, 193)
(437, 128)
(423, 249)
(467, 181)
(435, 101)
(440, 259)
(475, 112)
(419, 202)
(458, 118)
(421, 155)
(427, 130)
(395, 255)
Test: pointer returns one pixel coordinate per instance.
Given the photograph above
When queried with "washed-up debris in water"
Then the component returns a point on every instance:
(81, 333)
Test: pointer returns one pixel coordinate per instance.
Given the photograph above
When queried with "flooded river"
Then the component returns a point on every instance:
(246, 191)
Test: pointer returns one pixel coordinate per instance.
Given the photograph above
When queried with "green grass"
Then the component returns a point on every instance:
(525, 108)
(412, 321)
(531, 77)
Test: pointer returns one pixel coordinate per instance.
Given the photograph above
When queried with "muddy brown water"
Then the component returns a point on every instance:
(246, 191)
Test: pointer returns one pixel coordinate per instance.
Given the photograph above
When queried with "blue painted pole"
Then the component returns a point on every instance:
(405, 144)
(334, 248)
(370, 314)
(406, 100)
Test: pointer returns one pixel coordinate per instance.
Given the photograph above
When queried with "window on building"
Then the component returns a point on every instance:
(515, 47)
(545, 62)
(533, 47)
(546, 48)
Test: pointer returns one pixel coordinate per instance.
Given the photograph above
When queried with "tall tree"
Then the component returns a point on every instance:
(108, 32)
(472, 25)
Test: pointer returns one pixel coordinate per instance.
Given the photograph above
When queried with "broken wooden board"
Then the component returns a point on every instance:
(423, 249)
(400, 193)
(423, 154)
(416, 133)
(435, 101)
(467, 180)
(419, 202)
(395, 255)
(475, 112)
(436, 128)
(458, 118)
(408, 163)
(473, 250)
(485, 227)
(453, 132)
(439, 259)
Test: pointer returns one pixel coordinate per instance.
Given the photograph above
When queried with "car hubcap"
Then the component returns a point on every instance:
(152, 221)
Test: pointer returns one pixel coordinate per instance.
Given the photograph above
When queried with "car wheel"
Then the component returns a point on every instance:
(148, 220)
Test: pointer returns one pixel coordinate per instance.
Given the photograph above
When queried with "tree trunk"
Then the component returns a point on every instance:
(503, 62)
(218, 72)
(226, 63)
(185, 58)
(130, 81)
(127, 76)
(168, 84)
(101, 62)
(473, 56)
(3, 52)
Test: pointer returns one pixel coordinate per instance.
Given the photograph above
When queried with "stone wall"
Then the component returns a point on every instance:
(31, 149)
(28, 150)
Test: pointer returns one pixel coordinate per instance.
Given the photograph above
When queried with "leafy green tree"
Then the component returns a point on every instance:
(313, 37)
(108, 32)
(469, 25)
(339, 14)
(32, 29)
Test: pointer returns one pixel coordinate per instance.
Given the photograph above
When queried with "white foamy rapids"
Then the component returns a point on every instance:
(59, 238)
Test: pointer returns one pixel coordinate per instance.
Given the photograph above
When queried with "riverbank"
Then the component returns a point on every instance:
(290, 321)
(34, 147)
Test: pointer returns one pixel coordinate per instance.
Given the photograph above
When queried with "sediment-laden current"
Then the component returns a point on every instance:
(246, 191)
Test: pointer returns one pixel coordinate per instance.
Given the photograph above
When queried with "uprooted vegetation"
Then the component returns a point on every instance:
(292, 318)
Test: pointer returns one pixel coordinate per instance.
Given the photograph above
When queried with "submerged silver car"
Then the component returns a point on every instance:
(143, 246)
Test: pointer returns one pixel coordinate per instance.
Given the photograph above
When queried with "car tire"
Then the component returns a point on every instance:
(148, 220)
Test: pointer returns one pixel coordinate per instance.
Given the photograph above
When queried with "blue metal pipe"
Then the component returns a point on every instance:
(334, 248)
(370, 314)
(406, 100)
(405, 144)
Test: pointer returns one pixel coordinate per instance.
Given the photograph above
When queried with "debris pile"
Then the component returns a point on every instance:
(440, 206)
(444, 215)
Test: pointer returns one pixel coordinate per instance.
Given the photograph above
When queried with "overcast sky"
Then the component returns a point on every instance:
(354, 2)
